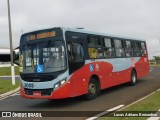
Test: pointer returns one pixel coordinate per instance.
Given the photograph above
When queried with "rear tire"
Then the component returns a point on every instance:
(93, 89)
(133, 78)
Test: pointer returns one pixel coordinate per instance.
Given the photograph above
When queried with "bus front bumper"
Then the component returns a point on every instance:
(60, 93)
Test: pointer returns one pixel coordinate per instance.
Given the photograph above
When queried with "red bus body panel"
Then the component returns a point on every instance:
(78, 82)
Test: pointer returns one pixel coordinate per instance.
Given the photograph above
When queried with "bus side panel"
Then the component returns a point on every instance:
(119, 77)
(104, 71)
(81, 77)
(79, 81)
(120, 72)
(146, 66)
(142, 67)
(139, 68)
(108, 76)
(125, 76)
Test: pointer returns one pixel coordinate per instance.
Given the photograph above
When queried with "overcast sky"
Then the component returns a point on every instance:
(132, 18)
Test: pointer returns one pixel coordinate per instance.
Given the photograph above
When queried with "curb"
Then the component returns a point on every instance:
(9, 93)
(6, 65)
(8, 76)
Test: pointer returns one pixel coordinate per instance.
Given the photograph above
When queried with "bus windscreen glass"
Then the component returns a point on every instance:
(43, 57)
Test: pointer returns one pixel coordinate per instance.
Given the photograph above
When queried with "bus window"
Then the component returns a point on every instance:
(75, 52)
(108, 49)
(94, 47)
(136, 49)
(143, 49)
(94, 41)
(107, 42)
(99, 53)
(128, 48)
(119, 48)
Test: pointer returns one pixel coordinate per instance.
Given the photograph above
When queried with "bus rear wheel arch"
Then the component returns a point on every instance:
(93, 88)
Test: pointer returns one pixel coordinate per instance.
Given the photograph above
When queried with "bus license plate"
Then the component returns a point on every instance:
(37, 93)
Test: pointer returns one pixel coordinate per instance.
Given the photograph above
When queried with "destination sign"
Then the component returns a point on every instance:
(41, 35)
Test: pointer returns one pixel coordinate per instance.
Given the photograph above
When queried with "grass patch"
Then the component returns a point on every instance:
(150, 103)
(6, 71)
(6, 86)
(154, 64)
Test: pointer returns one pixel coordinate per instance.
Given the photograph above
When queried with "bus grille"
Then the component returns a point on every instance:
(44, 92)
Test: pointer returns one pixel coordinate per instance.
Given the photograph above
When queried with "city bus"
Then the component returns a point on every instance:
(61, 62)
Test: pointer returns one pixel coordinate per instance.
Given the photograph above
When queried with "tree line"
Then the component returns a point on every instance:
(156, 60)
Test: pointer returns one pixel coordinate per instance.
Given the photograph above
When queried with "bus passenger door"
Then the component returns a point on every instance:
(76, 62)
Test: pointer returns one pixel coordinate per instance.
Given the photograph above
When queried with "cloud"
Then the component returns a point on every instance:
(132, 18)
(153, 47)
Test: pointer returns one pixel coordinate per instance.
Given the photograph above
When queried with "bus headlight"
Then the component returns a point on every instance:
(57, 85)
(60, 83)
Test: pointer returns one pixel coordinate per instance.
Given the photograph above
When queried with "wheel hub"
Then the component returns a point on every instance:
(92, 89)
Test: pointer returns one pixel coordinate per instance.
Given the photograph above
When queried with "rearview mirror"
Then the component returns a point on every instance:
(16, 56)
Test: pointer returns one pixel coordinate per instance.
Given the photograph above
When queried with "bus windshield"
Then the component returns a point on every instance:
(43, 57)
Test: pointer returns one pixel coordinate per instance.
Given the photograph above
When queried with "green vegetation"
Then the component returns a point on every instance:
(155, 61)
(6, 86)
(6, 71)
(150, 103)
(154, 64)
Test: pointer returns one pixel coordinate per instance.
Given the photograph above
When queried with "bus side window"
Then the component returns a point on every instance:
(128, 48)
(108, 49)
(92, 52)
(94, 47)
(119, 48)
(75, 52)
(143, 49)
(136, 49)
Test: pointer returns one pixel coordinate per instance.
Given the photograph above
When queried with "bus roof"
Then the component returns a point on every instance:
(101, 34)
(81, 30)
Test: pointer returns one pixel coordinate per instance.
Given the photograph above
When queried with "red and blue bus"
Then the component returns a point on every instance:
(63, 62)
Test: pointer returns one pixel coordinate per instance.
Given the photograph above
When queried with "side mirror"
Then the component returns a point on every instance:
(16, 56)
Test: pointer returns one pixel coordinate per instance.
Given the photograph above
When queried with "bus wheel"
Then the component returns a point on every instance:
(133, 78)
(92, 89)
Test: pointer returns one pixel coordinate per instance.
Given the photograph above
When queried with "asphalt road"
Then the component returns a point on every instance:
(109, 98)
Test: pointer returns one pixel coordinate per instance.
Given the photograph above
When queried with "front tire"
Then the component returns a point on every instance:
(92, 89)
(133, 78)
